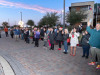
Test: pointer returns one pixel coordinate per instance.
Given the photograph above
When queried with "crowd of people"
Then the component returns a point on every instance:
(58, 36)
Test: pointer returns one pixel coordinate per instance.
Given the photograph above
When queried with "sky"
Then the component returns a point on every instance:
(31, 9)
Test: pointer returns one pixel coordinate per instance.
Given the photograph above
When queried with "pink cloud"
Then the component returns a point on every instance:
(24, 6)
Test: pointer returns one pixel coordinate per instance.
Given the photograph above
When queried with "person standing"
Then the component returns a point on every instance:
(22, 34)
(33, 39)
(85, 44)
(42, 33)
(45, 39)
(6, 31)
(74, 41)
(59, 37)
(27, 36)
(65, 37)
(51, 38)
(11, 33)
(37, 36)
(0, 32)
(48, 31)
(16, 33)
(55, 31)
(94, 42)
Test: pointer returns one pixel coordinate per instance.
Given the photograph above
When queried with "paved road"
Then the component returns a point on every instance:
(25, 59)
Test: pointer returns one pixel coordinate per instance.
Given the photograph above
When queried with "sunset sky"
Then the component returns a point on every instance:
(31, 9)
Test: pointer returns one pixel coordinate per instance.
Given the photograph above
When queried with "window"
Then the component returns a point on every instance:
(84, 8)
(73, 9)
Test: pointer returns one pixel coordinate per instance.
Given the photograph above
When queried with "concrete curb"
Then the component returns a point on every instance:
(6, 67)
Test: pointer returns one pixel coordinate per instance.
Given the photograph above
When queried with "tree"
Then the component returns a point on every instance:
(5, 24)
(30, 23)
(16, 25)
(75, 17)
(49, 19)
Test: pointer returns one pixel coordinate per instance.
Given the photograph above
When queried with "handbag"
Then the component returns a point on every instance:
(68, 40)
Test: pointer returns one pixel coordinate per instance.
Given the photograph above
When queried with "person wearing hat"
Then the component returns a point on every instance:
(59, 37)
(94, 42)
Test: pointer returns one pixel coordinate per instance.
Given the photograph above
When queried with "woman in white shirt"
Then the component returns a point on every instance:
(74, 41)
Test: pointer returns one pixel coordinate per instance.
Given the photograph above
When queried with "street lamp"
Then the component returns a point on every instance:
(21, 23)
(21, 15)
(64, 16)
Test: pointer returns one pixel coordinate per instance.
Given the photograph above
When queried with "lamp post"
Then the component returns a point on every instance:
(64, 16)
(21, 15)
(21, 23)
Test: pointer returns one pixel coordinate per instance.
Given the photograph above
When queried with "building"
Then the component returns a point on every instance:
(87, 7)
(96, 13)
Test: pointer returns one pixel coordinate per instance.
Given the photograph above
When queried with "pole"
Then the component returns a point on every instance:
(61, 17)
(8, 21)
(64, 16)
(97, 13)
(21, 16)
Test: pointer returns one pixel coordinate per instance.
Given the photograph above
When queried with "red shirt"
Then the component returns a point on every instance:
(6, 29)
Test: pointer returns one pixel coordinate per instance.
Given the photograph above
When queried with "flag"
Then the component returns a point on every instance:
(90, 8)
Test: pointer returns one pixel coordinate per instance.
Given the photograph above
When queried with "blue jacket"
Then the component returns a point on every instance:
(94, 40)
(16, 31)
(37, 34)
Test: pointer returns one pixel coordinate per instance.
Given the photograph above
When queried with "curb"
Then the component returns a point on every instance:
(6, 67)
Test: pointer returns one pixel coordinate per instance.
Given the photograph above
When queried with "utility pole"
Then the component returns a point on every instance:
(64, 16)
(97, 14)
(8, 21)
(21, 16)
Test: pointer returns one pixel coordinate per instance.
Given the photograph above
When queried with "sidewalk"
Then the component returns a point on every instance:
(5, 68)
(25, 59)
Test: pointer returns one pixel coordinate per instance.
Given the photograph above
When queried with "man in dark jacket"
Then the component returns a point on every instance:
(51, 38)
(42, 33)
(59, 37)
(85, 44)
(27, 36)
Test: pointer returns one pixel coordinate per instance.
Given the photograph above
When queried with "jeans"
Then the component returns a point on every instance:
(65, 46)
(6, 34)
(22, 36)
(52, 46)
(86, 50)
(27, 40)
(45, 43)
